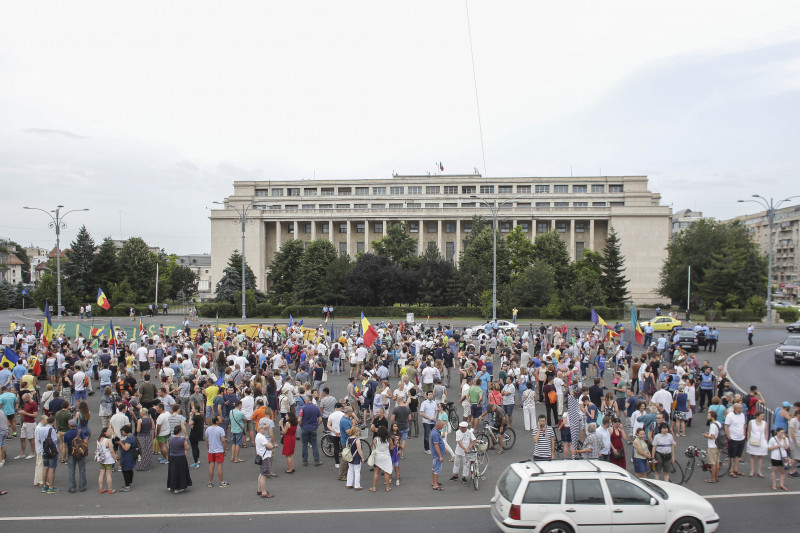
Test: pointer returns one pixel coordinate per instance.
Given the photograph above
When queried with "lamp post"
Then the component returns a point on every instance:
(494, 208)
(242, 211)
(57, 222)
(770, 205)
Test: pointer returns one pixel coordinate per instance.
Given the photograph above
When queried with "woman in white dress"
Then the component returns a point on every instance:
(383, 459)
(757, 443)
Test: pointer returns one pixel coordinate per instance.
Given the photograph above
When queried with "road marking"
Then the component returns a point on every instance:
(749, 494)
(227, 514)
(725, 366)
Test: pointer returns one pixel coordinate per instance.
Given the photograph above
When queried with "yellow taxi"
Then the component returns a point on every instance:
(661, 323)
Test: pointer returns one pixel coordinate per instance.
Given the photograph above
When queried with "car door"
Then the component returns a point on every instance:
(585, 504)
(632, 510)
(541, 501)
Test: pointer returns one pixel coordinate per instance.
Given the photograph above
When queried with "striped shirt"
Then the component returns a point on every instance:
(544, 448)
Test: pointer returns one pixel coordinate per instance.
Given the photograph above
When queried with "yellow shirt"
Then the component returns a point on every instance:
(211, 393)
(129, 361)
(27, 382)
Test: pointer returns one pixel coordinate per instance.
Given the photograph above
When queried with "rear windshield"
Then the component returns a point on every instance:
(508, 484)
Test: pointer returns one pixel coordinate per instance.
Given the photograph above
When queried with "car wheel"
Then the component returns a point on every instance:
(557, 527)
(777, 361)
(687, 524)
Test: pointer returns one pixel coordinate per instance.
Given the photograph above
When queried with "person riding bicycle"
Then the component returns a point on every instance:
(499, 424)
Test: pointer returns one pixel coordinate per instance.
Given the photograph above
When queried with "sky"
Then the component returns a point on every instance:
(146, 112)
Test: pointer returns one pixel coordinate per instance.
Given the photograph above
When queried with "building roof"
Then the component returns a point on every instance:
(14, 260)
(53, 253)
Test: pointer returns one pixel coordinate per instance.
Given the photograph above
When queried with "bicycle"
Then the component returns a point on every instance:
(489, 435)
(697, 456)
(452, 416)
(560, 446)
(475, 466)
(327, 443)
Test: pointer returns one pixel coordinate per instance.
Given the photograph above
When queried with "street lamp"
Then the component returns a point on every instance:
(770, 206)
(494, 209)
(242, 211)
(57, 222)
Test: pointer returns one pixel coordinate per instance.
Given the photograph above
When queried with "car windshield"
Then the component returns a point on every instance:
(792, 341)
(652, 486)
(688, 334)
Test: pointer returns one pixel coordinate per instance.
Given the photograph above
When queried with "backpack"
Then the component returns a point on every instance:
(80, 448)
(719, 440)
(552, 397)
(49, 448)
(86, 382)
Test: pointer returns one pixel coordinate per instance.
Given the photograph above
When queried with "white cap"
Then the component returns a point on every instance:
(463, 425)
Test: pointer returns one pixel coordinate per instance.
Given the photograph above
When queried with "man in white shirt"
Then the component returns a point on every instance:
(119, 419)
(465, 443)
(428, 376)
(735, 431)
(361, 356)
(663, 397)
(427, 412)
(333, 428)
(605, 437)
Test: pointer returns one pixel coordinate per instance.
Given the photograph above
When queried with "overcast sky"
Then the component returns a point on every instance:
(146, 112)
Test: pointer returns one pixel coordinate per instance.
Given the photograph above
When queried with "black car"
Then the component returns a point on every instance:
(687, 339)
(793, 328)
(788, 351)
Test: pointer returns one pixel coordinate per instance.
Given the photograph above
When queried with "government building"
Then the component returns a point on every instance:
(438, 210)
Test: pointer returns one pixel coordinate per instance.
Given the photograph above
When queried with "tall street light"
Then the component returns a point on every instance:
(770, 206)
(494, 208)
(242, 210)
(57, 222)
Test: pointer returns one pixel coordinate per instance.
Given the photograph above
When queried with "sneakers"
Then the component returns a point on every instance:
(31, 456)
(464, 480)
(178, 491)
(224, 484)
(53, 490)
(428, 452)
(318, 463)
(336, 466)
(20, 456)
(794, 474)
(44, 489)
(126, 488)
(3, 462)
(194, 465)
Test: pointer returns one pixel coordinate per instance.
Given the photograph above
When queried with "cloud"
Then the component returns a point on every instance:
(48, 132)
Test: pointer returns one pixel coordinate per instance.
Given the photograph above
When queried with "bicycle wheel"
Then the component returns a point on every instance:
(483, 462)
(452, 416)
(688, 470)
(366, 447)
(724, 465)
(483, 438)
(676, 473)
(509, 438)
(326, 443)
(476, 479)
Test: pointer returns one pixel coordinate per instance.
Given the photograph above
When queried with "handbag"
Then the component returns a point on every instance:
(371, 460)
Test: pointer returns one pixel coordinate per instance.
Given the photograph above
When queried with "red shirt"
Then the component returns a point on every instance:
(30, 407)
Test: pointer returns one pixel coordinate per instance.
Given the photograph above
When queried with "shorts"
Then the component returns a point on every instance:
(237, 439)
(144, 366)
(266, 466)
(10, 418)
(49, 463)
(640, 466)
(735, 448)
(3, 435)
(248, 425)
(477, 410)
(28, 430)
(566, 435)
(776, 462)
(437, 465)
(404, 434)
(161, 438)
(104, 466)
(467, 410)
(508, 409)
(208, 411)
(79, 395)
(216, 457)
(52, 371)
(663, 462)
(680, 415)
(713, 456)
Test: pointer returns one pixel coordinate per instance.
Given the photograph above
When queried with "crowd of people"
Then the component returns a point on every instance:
(579, 393)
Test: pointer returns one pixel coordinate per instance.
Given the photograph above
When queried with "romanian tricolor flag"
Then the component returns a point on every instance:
(33, 362)
(102, 301)
(141, 326)
(96, 332)
(47, 327)
(637, 330)
(597, 319)
(10, 357)
(369, 331)
(112, 336)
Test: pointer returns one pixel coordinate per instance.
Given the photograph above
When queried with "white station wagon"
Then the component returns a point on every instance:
(594, 496)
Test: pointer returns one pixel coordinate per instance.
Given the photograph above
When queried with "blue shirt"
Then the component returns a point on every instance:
(5, 377)
(344, 426)
(310, 415)
(436, 437)
(19, 371)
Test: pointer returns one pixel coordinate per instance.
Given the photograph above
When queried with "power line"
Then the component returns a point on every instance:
(475, 85)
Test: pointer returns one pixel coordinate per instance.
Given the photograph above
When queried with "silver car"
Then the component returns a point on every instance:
(788, 350)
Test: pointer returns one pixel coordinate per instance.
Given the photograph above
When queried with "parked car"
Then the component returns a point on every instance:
(688, 339)
(596, 496)
(503, 324)
(788, 350)
(793, 328)
(662, 323)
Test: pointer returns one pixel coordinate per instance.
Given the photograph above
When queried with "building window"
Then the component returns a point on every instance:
(413, 227)
(616, 188)
(395, 206)
(561, 227)
(598, 204)
(450, 204)
(342, 206)
(305, 245)
(599, 188)
(342, 249)
(542, 189)
(345, 191)
(449, 251)
(362, 191)
(342, 227)
(277, 192)
(306, 227)
(327, 191)
(396, 190)
(523, 189)
(467, 189)
(467, 227)
(561, 189)
(451, 189)
(379, 190)
(467, 204)
(617, 204)
(308, 207)
(360, 247)
(580, 204)
(290, 228)
(432, 189)
(542, 204)
(414, 205)
(262, 192)
(505, 227)
(291, 207)
(505, 189)
(274, 207)
(325, 228)
(523, 204)
(526, 226)
(432, 227)
(431, 245)
(326, 206)
(359, 227)
(579, 246)
(379, 227)
(309, 192)
(579, 189)
(378, 206)
(415, 189)
(542, 227)
(487, 189)
(293, 191)
(580, 227)
(561, 204)
(449, 227)
(432, 204)
(360, 206)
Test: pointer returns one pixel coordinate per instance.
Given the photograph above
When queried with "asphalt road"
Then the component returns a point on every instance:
(756, 366)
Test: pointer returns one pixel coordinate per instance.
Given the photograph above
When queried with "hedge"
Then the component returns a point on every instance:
(788, 314)
(741, 315)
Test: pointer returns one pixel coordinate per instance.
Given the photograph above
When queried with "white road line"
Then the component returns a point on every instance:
(733, 382)
(750, 494)
(227, 514)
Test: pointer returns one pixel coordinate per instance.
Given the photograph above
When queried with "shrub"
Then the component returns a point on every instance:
(788, 314)
(734, 315)
(580, 312)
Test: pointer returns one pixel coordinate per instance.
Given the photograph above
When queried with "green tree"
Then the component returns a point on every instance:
(137, 265)
(434, 275)
(615, 284)
(231, 280)
(587, 287)
(283, 271)
(314, 263)
(533, 287)
(374, 281)
(521, 250)
(105, 269)
(476, 263)
(552, 250)
(185, 282)
(397, 244)
(47, 290)
(77, 270)
(334, 287)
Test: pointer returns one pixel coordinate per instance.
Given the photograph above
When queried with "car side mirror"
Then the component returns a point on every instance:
(653, 501)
